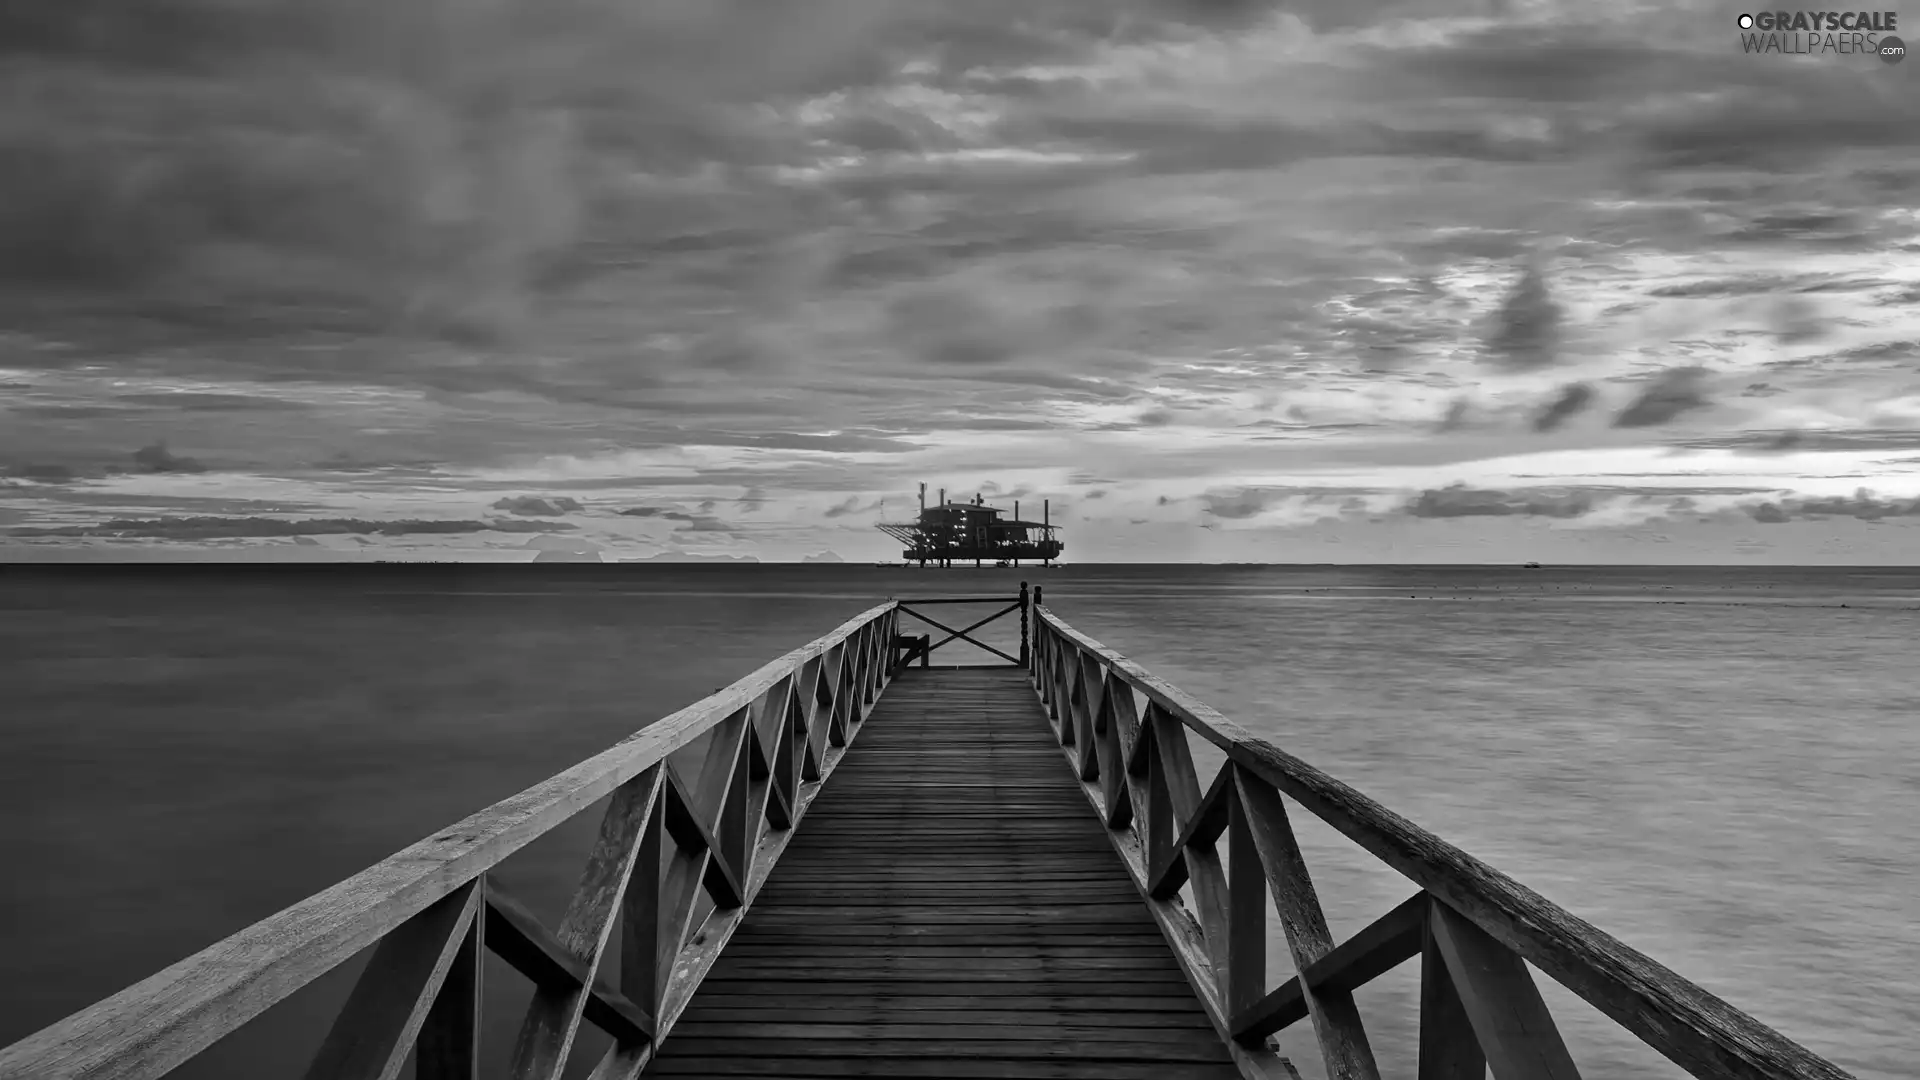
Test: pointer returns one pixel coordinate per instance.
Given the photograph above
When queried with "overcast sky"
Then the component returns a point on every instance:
(1334, 281)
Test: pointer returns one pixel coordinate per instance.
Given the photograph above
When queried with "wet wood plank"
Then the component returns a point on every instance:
(948, 908)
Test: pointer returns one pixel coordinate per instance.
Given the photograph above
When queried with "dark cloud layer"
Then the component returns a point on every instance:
(1570, 402)
(1670, 394)
(1459, 500)
(534, 506)
(1525, 333)
(852, 505)
(158, 459)
(218, 528)
(1778, 441)
(700, 522)
(1862, 504)
(1244, 503)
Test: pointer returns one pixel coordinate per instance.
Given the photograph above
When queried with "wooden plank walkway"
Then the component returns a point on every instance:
(949, 907)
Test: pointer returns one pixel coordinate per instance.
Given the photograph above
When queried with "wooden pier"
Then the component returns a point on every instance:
(845, 865)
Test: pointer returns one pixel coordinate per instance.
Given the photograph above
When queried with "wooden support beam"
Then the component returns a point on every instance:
(1203, 867)
(1127, 788)
(806, 749)
(1509, 1019)
(658, 906)
(1448, 1048)
(1336, 1020)
(833, 675)
(448, 1047)
(689, 832)
(1203, 827)
(515, 935)
(735, 829)
(1087, 733)
(376, 1028)
(1387, 942)
(553, 1017)
(1245, 980)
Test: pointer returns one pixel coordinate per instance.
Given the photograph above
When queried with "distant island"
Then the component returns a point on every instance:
(560, 555)
(824, 557)
(688, 556)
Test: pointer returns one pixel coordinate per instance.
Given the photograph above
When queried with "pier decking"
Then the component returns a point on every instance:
(846, 866)
(951, 909)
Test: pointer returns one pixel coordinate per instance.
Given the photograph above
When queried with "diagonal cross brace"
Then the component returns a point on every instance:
(515, 935)
(964, 635)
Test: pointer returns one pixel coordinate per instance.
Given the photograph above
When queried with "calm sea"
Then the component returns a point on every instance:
(1719, 766)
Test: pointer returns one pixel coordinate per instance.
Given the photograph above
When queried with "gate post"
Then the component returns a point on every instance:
(1024, 662)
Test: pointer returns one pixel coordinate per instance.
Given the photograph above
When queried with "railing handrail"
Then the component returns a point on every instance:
(1691, 1026)
(152, 1026)
(924, 649)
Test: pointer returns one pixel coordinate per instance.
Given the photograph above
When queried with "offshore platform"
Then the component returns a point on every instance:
(973, 530)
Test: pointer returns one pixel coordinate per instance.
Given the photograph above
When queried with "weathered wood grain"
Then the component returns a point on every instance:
(1448, 1048)
(1246, 974)
(448, 1047)
(1204, 825)
(375, 1030)
(1204, 871)
(1386, 943)
(516, 936)
(1510, 1021)
(553, 1017)
(1336, 1019)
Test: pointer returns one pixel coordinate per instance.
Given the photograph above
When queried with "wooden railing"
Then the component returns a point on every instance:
(702, 804)
(1125, 735)
(911, 647)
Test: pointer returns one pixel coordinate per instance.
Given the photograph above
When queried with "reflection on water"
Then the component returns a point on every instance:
(1730, 784)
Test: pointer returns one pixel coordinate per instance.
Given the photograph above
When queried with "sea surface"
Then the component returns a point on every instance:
(1719, 766)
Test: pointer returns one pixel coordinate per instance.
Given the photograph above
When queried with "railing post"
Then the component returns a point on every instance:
(1025, 656)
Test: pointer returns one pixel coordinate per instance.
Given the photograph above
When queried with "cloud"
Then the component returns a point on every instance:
(1459, 500)
(44, 474)
(1570, 402)
(564, 549)
(949, 326)
(1525, 331)
(1807, 440)
(157, 458)
(1237, 505)
(852, 505)
(697, 522)
(204, 401)
(533, 506)
(1458, 417)
(281, 171)
(1862, 504)
(1722, 287)
(1671, 393)
(217, 528)
(829, 442)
